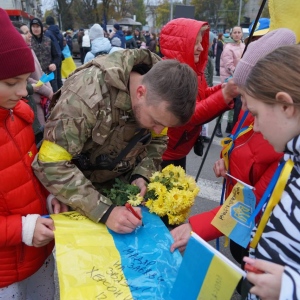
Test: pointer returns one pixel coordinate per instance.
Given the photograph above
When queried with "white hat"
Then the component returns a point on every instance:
(96, 31)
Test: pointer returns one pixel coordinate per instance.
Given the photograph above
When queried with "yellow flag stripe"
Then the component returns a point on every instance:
(220, 281)
(90, 276)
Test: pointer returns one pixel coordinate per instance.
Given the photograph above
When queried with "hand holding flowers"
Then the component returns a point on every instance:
(170, 193)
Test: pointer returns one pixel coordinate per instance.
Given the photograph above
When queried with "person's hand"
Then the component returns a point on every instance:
(52, 67)
(121, 220)
(219, 168)
(229, 91)
(267, 285)
(35, 88)
(141, 184)
(43, 232)
(181, 236)
(58, 207)
(50, 96)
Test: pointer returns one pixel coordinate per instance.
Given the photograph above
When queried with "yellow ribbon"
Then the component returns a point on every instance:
(51, 152)
(227, 143)
(274, 200)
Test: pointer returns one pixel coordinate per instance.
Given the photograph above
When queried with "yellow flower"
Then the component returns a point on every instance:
(155, 175)
(159, 207)
(135, 200)
(173, 192)
(157, 187)
(149, 204)
(176, 219)
(179, 200)
(172, 171)
(192, 185)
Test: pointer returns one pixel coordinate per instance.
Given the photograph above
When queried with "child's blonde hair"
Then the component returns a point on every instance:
(277, 72)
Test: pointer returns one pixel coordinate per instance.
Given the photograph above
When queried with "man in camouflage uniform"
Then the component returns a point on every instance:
(101, 108)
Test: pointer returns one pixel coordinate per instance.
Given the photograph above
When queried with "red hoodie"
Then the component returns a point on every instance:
(177, 41)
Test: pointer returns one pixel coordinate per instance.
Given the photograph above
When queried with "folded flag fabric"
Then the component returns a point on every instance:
(285, 14)
(45, 78)
(205, 273)
(233, 218)
(94, 262)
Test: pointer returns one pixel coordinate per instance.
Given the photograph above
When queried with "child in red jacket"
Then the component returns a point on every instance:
(26, 238)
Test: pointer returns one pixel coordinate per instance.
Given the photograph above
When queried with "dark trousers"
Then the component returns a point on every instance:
(81, 55)
(58, 74)
(85, 51)
(176, 162)
(54, 82)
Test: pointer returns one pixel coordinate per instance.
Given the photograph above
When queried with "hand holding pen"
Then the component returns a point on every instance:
(265, 277)
(131, 209)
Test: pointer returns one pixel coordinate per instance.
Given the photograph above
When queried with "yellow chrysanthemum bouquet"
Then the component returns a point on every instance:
(170, 193)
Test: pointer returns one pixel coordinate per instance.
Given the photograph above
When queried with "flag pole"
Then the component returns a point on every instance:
(219, 118)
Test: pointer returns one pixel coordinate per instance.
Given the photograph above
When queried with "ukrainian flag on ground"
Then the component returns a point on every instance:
(205, 273)
(96, 263)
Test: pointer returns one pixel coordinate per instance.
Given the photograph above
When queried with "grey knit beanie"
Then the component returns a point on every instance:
(116, 42)
(259, 49)
(96, 31)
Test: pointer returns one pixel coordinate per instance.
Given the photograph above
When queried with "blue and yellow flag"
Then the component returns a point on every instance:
(68, 65)
(45, 78)
(94, 262)
(205, 273)
(233, 217)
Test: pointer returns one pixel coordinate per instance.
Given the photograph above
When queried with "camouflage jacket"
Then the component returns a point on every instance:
(93, 116)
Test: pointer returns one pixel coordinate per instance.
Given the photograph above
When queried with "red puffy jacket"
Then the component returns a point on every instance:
(177, 41)
(20, 194)
(252, 160)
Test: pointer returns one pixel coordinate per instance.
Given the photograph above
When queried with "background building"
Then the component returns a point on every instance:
(22, 10)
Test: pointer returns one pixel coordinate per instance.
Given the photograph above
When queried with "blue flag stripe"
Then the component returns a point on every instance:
(199, 265)
(148, 259)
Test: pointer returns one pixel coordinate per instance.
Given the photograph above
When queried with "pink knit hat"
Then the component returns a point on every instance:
(259, 49)
(15, 56)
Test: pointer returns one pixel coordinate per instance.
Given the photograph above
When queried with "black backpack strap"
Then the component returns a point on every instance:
(103, 162)
(137, 138)
(100, 53)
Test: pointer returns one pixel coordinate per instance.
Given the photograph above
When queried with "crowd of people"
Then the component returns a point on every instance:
(96, 39)
(129, 113)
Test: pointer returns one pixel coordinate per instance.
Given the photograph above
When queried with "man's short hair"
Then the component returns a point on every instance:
(19, 30)
(18, 24)
(173, 82)
(50, 20)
